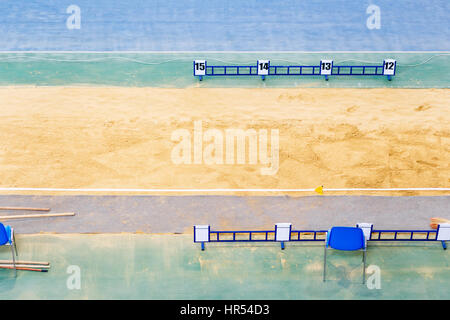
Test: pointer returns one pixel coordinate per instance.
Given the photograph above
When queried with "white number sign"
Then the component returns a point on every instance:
(263, 67)
(444, 232)
(325, 67)
(199, 67)
(389, 67)
(202, 233)
(283, 232)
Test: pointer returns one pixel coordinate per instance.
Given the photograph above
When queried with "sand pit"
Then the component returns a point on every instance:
(59, 137)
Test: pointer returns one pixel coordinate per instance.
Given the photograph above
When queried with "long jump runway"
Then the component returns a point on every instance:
(177, 214)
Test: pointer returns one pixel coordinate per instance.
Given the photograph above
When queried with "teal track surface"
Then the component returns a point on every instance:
(174, 70)
(139, 266)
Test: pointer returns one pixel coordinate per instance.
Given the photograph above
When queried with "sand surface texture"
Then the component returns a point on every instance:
(63, 137)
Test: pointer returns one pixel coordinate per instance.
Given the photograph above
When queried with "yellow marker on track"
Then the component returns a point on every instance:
(319, 190)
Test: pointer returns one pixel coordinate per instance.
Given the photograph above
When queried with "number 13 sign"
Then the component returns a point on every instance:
(325, 67)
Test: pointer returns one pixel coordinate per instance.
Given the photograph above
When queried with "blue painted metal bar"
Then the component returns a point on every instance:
(310, 232)
(365, 70)
(314, 235)
(235, 71)
(299, 70)
(232, 234)
(411, 237)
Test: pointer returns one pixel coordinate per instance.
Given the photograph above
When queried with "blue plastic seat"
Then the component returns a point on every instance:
(7, 239)
(345, 239)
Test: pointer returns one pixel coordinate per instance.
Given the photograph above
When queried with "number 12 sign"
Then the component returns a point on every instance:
(389, 67)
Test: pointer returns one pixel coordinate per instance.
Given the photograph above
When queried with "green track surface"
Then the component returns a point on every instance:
(140, 266)
(174, 70)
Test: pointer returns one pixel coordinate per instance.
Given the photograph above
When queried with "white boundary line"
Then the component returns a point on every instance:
(203, 52)
(218, 190)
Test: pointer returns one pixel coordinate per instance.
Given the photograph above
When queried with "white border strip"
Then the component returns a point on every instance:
(204, 52)
(218, 190)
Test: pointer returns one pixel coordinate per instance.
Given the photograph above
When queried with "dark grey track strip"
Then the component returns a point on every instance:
(174, 214)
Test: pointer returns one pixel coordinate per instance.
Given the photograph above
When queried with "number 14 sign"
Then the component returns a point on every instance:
(263, 67)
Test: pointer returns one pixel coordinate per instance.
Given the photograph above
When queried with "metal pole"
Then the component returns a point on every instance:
(14, 261)
(325, 263)
(364, 266)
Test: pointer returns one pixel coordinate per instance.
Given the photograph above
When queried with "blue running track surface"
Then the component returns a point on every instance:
(225, 25)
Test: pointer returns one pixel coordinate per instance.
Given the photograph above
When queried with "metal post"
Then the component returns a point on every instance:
(444, 245)
(14, 261)
(203, 246)
(325, 263)
(364, 266)
(14, 242)
(282, 245)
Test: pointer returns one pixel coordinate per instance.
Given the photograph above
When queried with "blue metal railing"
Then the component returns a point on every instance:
(243, 236)
(308, 235)
(395, 234)
(295, 70)
(231, 71)
(263, 235)
(353, 71)
(316, 235)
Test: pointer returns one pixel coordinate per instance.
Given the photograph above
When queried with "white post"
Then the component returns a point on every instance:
(201, 234)
(326, 66)
(283, 233)
(200, 68)
(389, 66)
(443, 233)
(263, 68)
(366, 228)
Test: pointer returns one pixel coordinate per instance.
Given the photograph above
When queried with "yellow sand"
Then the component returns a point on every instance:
(57, 137)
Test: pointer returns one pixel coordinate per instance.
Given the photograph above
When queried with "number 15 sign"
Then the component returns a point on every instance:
(199, 67)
